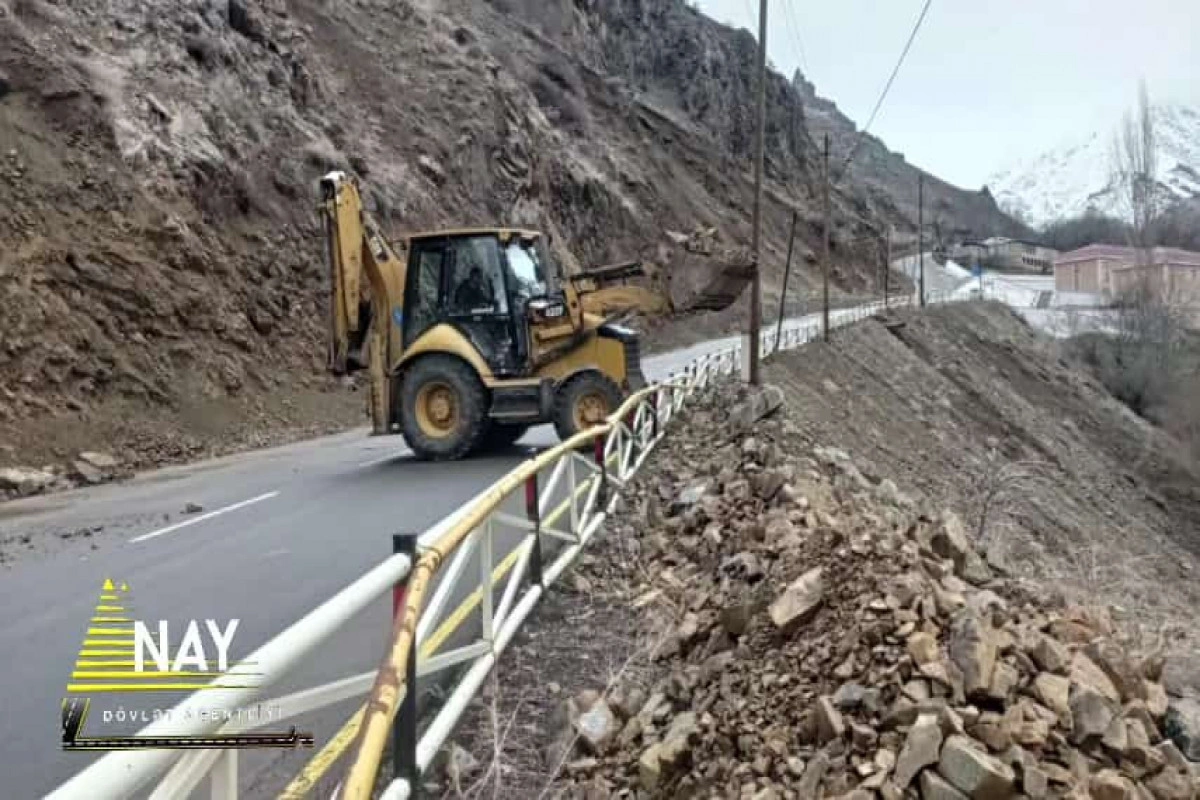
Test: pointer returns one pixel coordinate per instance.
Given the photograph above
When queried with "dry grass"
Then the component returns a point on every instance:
(594, 630)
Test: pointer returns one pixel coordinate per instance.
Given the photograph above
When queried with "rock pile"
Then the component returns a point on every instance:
(86, 468)
(840, 640)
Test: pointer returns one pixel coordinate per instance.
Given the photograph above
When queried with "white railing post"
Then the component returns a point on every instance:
(224, 776)
(486, 563)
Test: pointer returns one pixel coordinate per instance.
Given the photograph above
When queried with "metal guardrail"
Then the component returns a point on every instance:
(591, 479)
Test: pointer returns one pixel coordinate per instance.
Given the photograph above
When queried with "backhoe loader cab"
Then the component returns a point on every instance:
(469, 339)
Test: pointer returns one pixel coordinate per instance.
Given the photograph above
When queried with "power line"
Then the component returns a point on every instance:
(887, 87)
(790, 19)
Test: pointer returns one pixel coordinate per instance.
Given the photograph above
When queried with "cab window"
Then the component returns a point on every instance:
(424, 288)
(476, 278)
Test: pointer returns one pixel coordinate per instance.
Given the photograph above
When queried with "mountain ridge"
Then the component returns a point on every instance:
(1073, 178)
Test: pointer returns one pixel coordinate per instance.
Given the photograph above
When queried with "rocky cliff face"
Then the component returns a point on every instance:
(158, 166)
(887, 183)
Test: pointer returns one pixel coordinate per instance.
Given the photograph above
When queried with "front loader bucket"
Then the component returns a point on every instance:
(703, 275)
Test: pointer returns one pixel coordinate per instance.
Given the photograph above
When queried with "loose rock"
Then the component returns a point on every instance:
(974, 772)
(799, 601)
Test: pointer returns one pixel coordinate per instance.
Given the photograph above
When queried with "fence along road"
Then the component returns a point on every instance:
(120, 775)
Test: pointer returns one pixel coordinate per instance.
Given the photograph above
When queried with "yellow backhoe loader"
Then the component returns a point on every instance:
(471, 338)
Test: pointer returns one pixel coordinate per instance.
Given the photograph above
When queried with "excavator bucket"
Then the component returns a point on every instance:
(701, 274)
(689, 272)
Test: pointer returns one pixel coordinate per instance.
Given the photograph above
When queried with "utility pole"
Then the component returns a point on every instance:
(887, 263)
(787, 270)
(825, 248)
(921, 236)
(760, 138)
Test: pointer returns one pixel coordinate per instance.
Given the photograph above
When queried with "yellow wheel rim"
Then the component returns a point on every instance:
(437, 410)
(590, 409)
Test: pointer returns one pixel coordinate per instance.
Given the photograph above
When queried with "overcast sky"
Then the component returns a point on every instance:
(986, 80)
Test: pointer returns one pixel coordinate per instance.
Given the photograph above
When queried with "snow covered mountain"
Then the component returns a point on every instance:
(1072, 178)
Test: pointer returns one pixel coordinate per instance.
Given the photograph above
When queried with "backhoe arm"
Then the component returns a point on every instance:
(360, 321)
(356, 247)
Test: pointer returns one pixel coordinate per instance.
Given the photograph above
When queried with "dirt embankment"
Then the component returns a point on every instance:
(968, 405)
(810, 608)
(159, 251)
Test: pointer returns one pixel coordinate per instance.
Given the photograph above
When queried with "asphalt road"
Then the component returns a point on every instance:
(281, 531)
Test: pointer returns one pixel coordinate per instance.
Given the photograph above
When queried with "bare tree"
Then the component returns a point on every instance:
(1135, 170)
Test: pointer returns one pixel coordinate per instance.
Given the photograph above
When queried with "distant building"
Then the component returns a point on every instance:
(1018, 255)
(1006, 255)
(1088, 270)
(1172, 275)
(969, 252)
(1108, 270)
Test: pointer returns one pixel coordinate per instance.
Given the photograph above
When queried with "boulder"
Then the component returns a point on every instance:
(1034, 781)
(809, 787)
(935, 787)
(1085, 672)
(972, 649)
(1121, 670)
(1182, 725)
(689, 497)
(662, 759)
(975, 773)
(101, 461)
(921, 748)
(1005, 678)
(1091, 713)
(799, 601)
(1050, 654)
(86, 472)
(759, 403)
(923, 647)
(830, 724)
(1108, 784)
(949, 538)
(1055, 692)
(1171, 784)
(24, 480)
(1157, 702)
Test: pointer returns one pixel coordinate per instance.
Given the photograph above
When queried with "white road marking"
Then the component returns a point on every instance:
(380, 460)
(185, 523)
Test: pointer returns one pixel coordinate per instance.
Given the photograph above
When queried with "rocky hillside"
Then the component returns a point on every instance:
(770, 617)
(889, 183)
(161, 259)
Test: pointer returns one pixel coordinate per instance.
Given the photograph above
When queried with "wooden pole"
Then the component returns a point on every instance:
(759, 144)
(887, 264)
(921, 236)
(825, 248)
(787, 270)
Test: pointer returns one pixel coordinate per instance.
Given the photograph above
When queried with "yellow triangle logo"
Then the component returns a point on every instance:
(108, 584)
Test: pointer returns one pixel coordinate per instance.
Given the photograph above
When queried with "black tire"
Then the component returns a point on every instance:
(438, 437)
(575, 390)
(501, 436)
